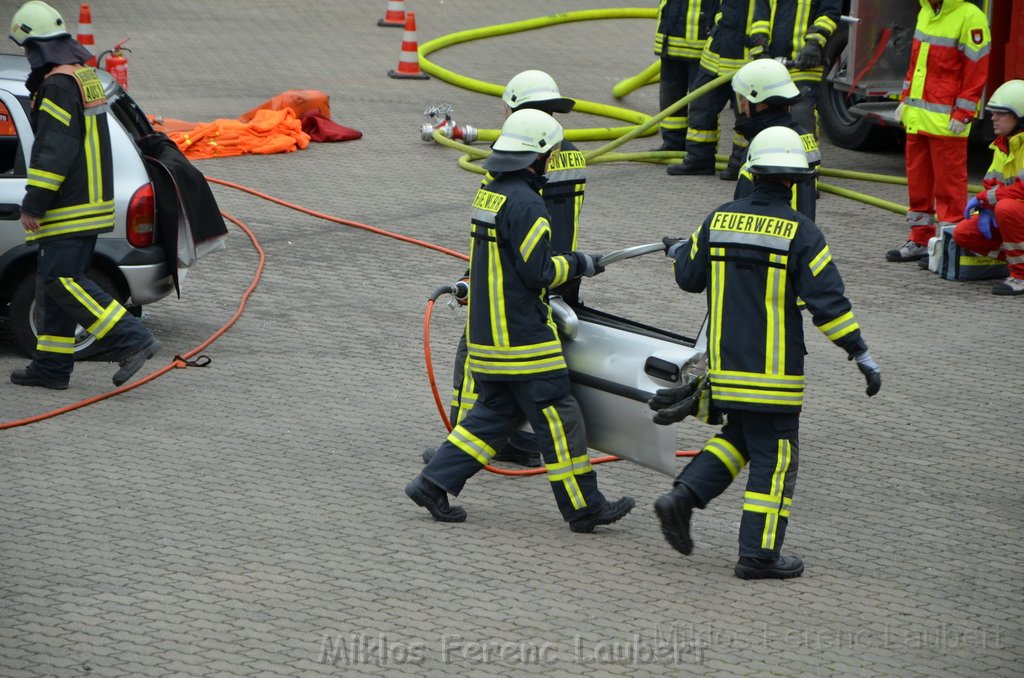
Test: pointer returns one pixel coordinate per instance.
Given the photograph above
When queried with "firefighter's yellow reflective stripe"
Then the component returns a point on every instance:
(55, 112)
(703, 136)
(563, 470)
(717, 296)
(106, 318)
(673, 123)
(726, 453)
(752, 392)
(49, 343)
(775, 315)
(94, 307)
(801, 17)
(820, 261)
(827, 24)
(541, 229)
(93, 162)
(523, 351)
(694, 246)
(72, 212)
(561, 270)
(917, 80)
(840, 327)
(758, 26)
(773, 509)
(43, 179)
(550, 364)
(111, 315)
(463, 439)
(783, 458)
(496, 296)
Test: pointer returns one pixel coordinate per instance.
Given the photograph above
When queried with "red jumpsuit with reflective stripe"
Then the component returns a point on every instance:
(1004, 195)
(947, 74)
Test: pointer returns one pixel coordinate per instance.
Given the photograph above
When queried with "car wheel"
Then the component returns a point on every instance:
(22, 316)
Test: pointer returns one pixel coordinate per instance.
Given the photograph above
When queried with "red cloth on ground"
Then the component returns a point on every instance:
(320, 128)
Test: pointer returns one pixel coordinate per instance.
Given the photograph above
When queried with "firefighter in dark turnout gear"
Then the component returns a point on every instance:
(764, 93)
(563, 195)
(727, 49)
(69, 200)
(514, 350)
(683, 28)
(797, 30)
(755, 257)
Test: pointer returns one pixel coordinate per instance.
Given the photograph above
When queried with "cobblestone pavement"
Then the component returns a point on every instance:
(248, 518)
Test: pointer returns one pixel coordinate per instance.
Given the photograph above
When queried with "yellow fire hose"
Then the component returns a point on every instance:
(643, 124)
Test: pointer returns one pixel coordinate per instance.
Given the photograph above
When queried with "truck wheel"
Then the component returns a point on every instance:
(22, 316)
(843, 128)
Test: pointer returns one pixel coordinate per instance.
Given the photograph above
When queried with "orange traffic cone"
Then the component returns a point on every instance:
(409, 60)
(395, 14)
(85, 37)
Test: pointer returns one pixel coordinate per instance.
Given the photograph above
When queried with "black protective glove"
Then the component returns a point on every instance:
(810, 55)
(587, 264)
(872, 373)
(759, 47)
(672, 245)
(674, 404)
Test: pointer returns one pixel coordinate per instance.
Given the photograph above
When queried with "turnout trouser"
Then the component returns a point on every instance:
(703, 132)
(769, 443)
(936, 183)
(677, 79)
(65, 297)
(555, 416)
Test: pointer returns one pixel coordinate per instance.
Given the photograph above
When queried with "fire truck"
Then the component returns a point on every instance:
(867, 57)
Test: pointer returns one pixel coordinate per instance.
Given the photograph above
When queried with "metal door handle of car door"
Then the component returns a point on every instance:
(661, 369)
(9, 211)
(630, 252)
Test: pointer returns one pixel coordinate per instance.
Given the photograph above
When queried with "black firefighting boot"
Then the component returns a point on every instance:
(674, 509)
(780, 567)
(434, 499)
(26, 376)
(609, 512)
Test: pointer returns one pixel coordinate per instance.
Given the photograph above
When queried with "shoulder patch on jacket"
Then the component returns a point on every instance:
(977, 36)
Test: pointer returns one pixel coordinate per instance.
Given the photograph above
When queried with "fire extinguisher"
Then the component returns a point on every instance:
(116, 63)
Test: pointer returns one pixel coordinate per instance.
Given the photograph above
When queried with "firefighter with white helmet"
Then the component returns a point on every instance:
(69, 201)
(563, 194)
(764, 93)
(514, 350)
(993, 222)
(755, 257)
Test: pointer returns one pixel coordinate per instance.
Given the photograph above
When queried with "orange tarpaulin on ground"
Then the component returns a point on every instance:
(268, 132)
(272, 127)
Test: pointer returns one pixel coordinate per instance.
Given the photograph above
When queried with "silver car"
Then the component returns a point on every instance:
(129, 262)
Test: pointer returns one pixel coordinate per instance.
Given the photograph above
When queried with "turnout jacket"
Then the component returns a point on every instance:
(510, 332)
(755, 257)
(804, 193)
(70, 176)
(728, 48)
(1004, 179)
(948, 68)
(790, 24)
(683, 28)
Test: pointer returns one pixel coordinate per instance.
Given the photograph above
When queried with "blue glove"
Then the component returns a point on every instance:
(972, 205)
(986, 222)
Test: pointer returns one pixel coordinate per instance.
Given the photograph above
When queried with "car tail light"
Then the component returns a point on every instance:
(141, 221)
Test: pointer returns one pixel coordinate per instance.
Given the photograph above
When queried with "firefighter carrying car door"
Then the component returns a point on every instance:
(754, 258)
(514, 350)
